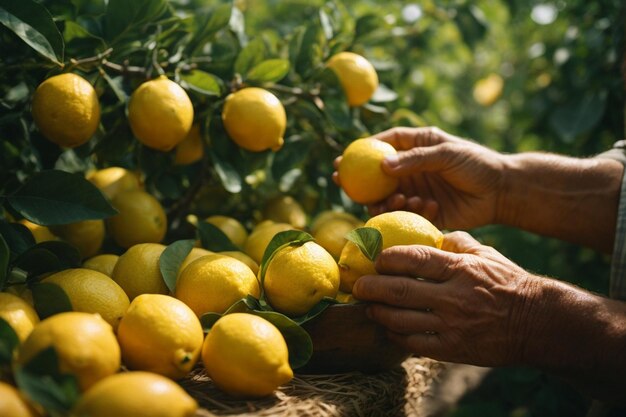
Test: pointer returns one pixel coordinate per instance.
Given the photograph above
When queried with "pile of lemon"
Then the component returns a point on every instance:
(125, 316)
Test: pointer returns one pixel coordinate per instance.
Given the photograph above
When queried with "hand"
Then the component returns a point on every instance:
(466, 309)
(452, 182)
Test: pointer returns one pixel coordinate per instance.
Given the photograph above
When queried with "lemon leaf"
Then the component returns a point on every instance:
(171, 259)
(17, 236)
(316, 310)
(8, 343)
(50, 299)
(268, 71)
(214, 239)
(42, 381)
(280, 240)
(250, 56)
(50, 256)
(368, 239)
(202, 83)
(5, 255)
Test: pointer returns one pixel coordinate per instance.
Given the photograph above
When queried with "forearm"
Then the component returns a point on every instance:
(571, 199)
(576, 335)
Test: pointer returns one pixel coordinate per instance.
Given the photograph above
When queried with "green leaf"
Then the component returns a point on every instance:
(384, 94)
(17, 237)
(279, 241)
(306, 50)
(472, 23)
(211, 23)
(43, 382)
(32, 22)
(271, 70)
(50, 299)
(214, 239)
(50, 256)
(8, 342)
(203, 83)
(171, 259)
(228, 175)
(316, 310)
(123, 17)
(5, 256)
(368, 239)
(367, 24)
(250, 56)
(117, 87)
(579, 115)
(74, 31)
(338, 112)
(53, 197)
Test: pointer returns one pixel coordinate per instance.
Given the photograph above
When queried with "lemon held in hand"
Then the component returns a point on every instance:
(18, 314)
(160, 113)
(160, 334)
(85, 345)
(66, 110)
(361, 174)
(246, 356)
(255, 119)
(136, 394)
(298, 277)
(357, 76)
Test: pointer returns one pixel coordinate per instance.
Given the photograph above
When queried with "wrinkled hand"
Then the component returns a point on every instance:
(468, 307)
(452, 182)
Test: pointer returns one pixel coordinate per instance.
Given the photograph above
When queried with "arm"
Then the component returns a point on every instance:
(475, 306)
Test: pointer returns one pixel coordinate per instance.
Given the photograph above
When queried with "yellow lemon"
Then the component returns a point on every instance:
(298, 277)
(345, 298)
(360, 172)
(113, 180)
(137, 270)
(331, 235)
(160, 334)
(18, 314)
(285, 209)
(246, 356)
(232, 228)
(40, 233)
(328, 215)
(243, 258)
(13, 404)
(140, 219)
(66, 110)
(194, 254)
(85, 345)
(22, 291)
(396, 228)
(87, 236)
(214, 282)
(260, 237)
(92, 292)
(255, 119)
(191, 149)
(104, 263)
(488, 90)
(160, 113)
(136, 394)
(357, 76)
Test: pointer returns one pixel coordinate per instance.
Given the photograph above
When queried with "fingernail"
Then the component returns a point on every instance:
(392, 161)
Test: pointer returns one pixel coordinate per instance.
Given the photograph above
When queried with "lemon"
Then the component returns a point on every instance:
(488, 90)
(92, 292)
(87, 236)
(40, 233)
(298, 277)
(357, 76)
(137, 270)
(18, 314)
(214, 282)
(232, 228)
(243, 258)
(345, 298)
(285, 209)
(328, 215)
(104, 263)
(191, 149)
(194, 254)
(141, 219)
(13, 404)
(136, 394)
(331, 235)
(66, 110)
(260, 237)
(396, 228)
(246, 356)
(160, 113)
(160, 334)
(84, 343)
(22, 291)
(113, 180)
(360, 172)
(255, 119)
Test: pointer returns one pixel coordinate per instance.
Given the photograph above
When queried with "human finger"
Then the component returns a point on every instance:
(404, 321)
(336, 179)
(403, 138)
(460, 242)
(422, 159)
(417, 261)
(421, 344)
(397, 291)
(337, 161)
(394, 202)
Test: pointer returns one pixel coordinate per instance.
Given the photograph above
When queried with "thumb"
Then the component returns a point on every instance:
(428, 158)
